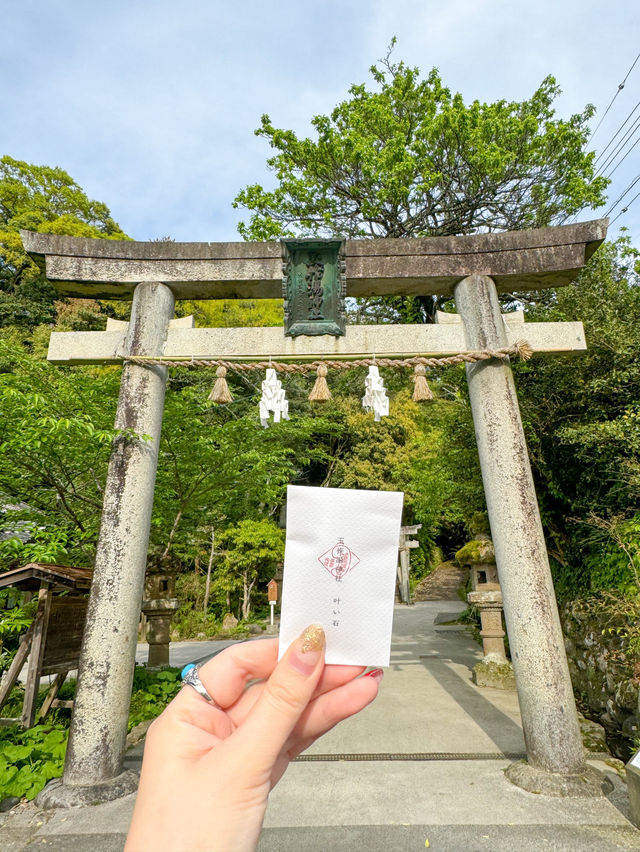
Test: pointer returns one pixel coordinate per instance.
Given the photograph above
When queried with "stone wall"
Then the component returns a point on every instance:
(606, 679)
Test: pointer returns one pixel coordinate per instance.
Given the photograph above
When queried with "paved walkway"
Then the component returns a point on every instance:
(423, 764)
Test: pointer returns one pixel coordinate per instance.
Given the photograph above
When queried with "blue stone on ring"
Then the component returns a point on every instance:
(192, 678)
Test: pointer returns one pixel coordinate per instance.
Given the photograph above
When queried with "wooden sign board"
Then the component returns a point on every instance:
(64, 634)
(51, 645)
(272, 591)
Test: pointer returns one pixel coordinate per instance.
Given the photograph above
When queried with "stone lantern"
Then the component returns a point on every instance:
(159, 606)
(494, 669)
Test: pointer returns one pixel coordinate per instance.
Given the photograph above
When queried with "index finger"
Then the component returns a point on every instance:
(226, 676)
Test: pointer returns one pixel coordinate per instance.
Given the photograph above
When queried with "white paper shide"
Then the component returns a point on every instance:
(340, 570)
(375, 396)
(273, 399)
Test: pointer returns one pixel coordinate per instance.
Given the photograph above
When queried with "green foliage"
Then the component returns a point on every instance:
(152, 691)
(582, 423)
(28, 759)
(408, 158)
(14, 621)
(17, 619)
(619, 615)
(233, 313)
(251, 553)
(215, 464)
(54, 451)
(44, 199)
(445, 472)
(614, 560)
(192, 623)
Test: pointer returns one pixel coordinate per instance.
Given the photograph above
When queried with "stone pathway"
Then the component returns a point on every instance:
(423, 763)
(443, 584)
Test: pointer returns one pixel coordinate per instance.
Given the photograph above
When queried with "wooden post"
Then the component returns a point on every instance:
(406, 544)
(37, 650)
(11, 675)
(272, 595)
(50, 700)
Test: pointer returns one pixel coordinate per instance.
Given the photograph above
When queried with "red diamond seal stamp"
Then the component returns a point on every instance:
(339, 560)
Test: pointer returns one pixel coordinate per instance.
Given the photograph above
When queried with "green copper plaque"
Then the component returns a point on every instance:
(314, 287)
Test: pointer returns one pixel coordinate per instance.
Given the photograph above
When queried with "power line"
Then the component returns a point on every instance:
(619, 147)
(602, 153)
(618, 90)
(624, 209)
(620, 197)
(620, 162)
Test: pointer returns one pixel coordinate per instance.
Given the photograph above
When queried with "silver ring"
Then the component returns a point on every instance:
(192, 678)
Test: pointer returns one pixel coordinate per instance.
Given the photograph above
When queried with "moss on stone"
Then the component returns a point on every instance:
(479, 524)
(495, 675)
(593, 735)
(478, 551)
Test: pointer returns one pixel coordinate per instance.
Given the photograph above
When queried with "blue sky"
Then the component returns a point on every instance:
(151, 105)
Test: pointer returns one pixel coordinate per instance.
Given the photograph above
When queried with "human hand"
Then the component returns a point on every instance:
(208, 770)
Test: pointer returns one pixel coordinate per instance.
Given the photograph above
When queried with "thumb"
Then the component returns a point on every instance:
(285, 696)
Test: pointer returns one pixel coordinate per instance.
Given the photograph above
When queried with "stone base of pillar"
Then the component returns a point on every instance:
(588, 783)
(59, 795)
(494, 673)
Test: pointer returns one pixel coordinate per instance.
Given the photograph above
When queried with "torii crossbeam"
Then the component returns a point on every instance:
(474, 269)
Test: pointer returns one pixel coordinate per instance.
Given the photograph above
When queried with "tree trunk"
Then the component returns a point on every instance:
(165, 555)
(207, 587)
(245, 595)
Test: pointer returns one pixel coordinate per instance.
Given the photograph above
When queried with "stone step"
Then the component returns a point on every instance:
(443, 584)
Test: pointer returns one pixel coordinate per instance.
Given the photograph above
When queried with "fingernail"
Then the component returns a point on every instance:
(376, 674)
(308, 649)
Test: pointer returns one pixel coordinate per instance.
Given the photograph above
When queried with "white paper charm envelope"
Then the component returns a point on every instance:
(340, 564)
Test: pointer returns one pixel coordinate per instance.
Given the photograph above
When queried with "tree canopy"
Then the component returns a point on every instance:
(45, 199)
(411, 159)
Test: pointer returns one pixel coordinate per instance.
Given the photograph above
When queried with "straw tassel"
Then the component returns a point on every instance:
(524, 350)
(220, 392)
(421, 389)
(320, 391)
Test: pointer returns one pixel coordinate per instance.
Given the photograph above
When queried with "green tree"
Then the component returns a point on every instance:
(251, 553)
(215, 467)
(45, 199)
(233, 313)
(54, 450)
(582, 420)
(411, 159)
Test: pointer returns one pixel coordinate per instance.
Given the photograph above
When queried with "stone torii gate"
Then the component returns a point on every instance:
(474, 269)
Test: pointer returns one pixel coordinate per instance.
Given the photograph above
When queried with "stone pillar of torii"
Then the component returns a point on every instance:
(474, 270)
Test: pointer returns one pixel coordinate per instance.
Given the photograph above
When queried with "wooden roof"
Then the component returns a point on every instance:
(31, 575)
